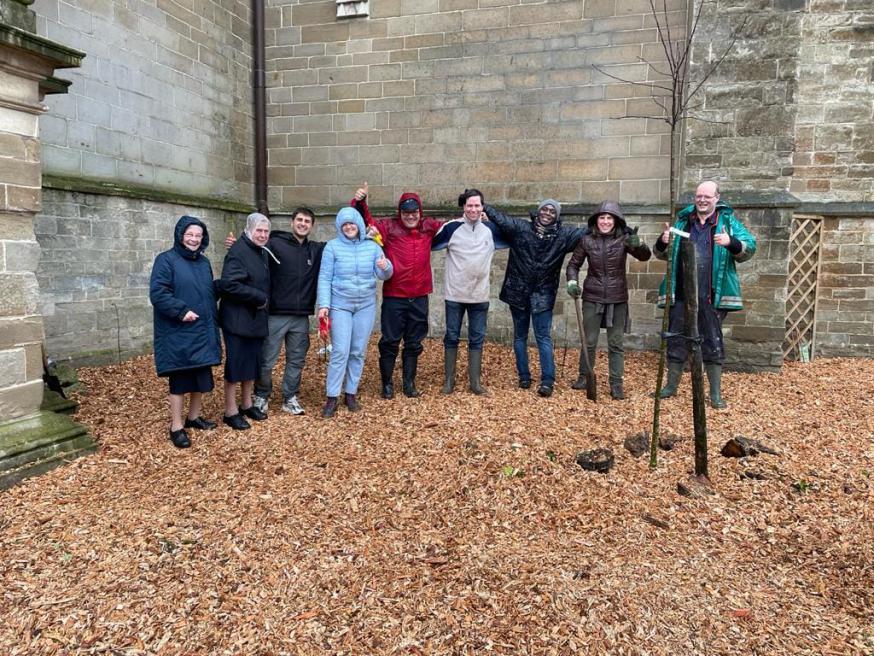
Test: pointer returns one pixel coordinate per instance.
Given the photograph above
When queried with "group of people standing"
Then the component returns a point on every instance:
(273, 281)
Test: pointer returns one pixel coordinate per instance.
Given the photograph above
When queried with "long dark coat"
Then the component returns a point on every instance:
(182, 281)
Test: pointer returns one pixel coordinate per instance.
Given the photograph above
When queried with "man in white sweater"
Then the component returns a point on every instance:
(470, 243)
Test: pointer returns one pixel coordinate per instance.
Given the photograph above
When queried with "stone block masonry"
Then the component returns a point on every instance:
(162, 99)
(462, 93)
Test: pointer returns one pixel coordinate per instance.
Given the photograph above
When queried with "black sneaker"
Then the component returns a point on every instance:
(524, 383)
(180, 439)
(545, 390)
(254, 413)
(236, 422)
(200, 423)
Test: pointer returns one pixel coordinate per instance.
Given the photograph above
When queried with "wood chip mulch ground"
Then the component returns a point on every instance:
(452, 525)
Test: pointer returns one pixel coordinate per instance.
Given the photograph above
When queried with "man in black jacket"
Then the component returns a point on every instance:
(293, 280)
(537, 250)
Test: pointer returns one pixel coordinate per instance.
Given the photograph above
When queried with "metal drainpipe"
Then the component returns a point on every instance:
(258, 88)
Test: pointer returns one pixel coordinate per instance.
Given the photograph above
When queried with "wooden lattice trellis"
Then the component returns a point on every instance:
(801, 303)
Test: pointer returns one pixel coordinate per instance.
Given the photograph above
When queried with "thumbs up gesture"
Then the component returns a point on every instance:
(382, 263)
(361, 192)
(633, 240)
(229, 240)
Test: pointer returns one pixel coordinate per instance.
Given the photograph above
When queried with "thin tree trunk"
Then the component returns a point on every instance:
(663, 344)
(690, 296)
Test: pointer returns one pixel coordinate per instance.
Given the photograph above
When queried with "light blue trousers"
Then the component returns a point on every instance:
(350, 331)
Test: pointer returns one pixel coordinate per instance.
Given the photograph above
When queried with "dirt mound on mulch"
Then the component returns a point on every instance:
(452, 525)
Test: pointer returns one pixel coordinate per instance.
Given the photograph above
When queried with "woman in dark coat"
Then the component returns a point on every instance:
(605, 290)
(245, 293)
(186, 333)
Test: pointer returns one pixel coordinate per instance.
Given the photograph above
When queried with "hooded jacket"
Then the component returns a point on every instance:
(245, 289)
(181, 281)
(409, 249)
(348, 275)
(294, 278)
(606, 281)
(534, 266)
(725, 290)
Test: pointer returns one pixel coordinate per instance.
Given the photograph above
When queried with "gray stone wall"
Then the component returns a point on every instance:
(792, 106)
(97, 255)
(162, 99)
(834, 131)
(437, 96)
(845, 308)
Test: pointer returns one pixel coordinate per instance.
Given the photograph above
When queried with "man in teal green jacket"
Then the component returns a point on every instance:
(720, 241)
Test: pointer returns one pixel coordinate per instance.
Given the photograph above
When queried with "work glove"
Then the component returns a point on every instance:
(633, 239)
(573, 289)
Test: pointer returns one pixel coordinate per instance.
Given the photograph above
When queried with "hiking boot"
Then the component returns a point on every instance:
(616, 390)
(293, 407)
(580, 383)
(352, 403)
(330, 408)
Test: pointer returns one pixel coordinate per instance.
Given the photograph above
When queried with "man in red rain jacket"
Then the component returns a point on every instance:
(406, 239)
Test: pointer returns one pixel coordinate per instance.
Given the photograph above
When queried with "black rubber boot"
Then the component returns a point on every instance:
(714, 376)
(410, 365)
(450, 357)
(386, 371)
(352, 403)
(475, 370)
(675, 372)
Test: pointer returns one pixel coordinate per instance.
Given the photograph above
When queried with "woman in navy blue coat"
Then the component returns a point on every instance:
(186, 335)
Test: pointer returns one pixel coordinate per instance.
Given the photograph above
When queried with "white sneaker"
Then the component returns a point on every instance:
(260, 402)
(293, 406)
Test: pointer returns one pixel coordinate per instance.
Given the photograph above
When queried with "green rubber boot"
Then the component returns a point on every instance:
(675, 372)
(475, 370)
(450, 357)
(714, 376)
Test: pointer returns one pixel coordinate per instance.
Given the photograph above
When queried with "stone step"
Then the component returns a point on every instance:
(36, 443)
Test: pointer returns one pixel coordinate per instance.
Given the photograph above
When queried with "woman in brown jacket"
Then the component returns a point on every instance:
(605, 290)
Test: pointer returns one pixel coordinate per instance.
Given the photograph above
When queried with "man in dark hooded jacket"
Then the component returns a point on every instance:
(407, 239)
(537, 251)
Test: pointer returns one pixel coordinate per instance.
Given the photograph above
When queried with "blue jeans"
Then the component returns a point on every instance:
(350, 331)
(542, 324)
(476, 324)
(294, 332)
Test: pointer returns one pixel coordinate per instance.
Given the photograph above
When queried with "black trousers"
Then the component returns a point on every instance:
(403, 319)
(709, 329)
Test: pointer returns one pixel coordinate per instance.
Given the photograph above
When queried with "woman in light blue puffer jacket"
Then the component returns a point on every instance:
(350, 267)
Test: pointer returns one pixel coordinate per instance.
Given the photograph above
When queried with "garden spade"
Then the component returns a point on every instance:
(591, 383)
